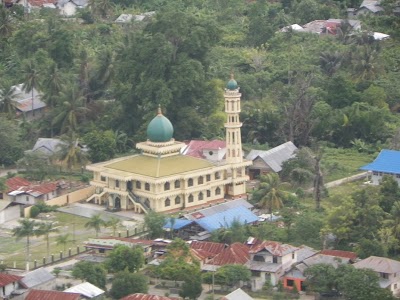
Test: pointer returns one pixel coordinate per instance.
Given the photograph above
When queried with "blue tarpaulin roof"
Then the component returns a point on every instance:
(388, 161)
(179, 223)
(225, 218)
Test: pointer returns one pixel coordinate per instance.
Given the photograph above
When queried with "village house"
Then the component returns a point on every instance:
(140, 296)
(52, 295)
(24, 192)
(388, 271)
(28, 104)
(86, 290)
(237, 294)
(39, 279)
(164, 180)
(8, 284)
(386, 164)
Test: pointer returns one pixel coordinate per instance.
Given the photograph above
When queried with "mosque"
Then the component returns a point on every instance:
(161, 179)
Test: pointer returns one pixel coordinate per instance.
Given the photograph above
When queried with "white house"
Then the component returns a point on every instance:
(269, 261)
(8, 284)
(387, 163)
(387, 269)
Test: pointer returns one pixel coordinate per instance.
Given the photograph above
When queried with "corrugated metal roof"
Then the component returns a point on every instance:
(225, 218)
(340, 253)
(36, 277)
(86, 289)
(195, 147)
(263, 266)
(51, 295)
(325, 259)
(47, 145)
(139, 296)
(305, 252)
(209, 247)
(275, 156)
(178, 223)
(236, 253)
(15, 183)
(372, 5)
(237, 294)
(275, 248)
(388, 161)
(379, 264)
(218, 208)
(8, 278)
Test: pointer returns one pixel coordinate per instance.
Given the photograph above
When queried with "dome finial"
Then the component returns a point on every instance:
(159, 111)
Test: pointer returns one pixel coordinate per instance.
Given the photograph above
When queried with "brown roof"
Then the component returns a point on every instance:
(209, 247)
(15, 183)
(41, 2)
(340, 253)
(236, 253)
(51, 295)
(8, 278)
(195, 147)
(139, 296)
(275, 248)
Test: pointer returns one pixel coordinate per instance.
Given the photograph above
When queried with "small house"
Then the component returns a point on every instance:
(8, 284)
(386, 164)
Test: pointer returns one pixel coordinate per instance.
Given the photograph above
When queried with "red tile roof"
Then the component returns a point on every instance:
(15, 183)
(195, 148)
(236, 253)
(8, 278)
(275, 248)
(51, 295)
(139, 296)
(340, 253)
(207, 247)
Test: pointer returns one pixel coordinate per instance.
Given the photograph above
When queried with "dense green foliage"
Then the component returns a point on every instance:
(126, 283)
(125, 258)
(93, 273)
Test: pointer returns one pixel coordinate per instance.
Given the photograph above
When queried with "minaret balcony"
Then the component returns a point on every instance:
(233, 125)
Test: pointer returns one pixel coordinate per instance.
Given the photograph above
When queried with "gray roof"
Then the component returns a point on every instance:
(379, 264)
(23, 99)
(238, 294)
(263, 266)
(305, 252)
(325, 259)
(36, 277)
(274, 157)
(219, 208)
(4, 204)
(372, 5)
(86, 289)
(47, 145)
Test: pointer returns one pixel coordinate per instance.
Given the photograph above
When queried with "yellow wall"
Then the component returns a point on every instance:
(72, 197)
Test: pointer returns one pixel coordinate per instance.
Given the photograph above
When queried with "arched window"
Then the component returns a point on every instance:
(217, 175)
(116, 183)
(138, 185)
(190, 199)
(177, 200)
(166, 186)
(167, 202)
(217, 191)
(200, 180)
(147, 186)
(177, 184)
(201, 196)
(190, 182)
(208, 193)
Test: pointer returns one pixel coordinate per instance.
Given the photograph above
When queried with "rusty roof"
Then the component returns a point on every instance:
(275, 248)
(8, 278)
(340, 253)
(15, 183)
(139, 296)
(209, 247)
(51, 295)
(236, 253)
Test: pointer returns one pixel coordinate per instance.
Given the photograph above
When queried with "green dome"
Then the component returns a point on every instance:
(160, 129)
(232, 84)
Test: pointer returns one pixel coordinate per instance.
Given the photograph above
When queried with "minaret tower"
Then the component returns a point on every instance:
(232, 109)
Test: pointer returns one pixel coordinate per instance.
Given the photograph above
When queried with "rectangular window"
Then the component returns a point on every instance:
(27, 198)
(208, 177)
(289, 282)
(102, 178)
(293, 255)
(385, 275)
(275, 259)
(116, 183)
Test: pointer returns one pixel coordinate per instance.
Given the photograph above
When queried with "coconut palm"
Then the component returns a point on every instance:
(70, 153)
(7, 100)
(52, 85)
(72, 107)
(27, 229)
(270, 195)
(95, 223)
(6, 22)
(63, 240)
(31, 77)
(113, 223)
(46, 229)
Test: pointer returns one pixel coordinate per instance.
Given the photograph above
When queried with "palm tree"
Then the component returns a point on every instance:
(95, 223)
(26, 229)
(270, 195)
(70, 153)
(7, 100)
(330, 62)
(52, 85)
(46, 229)
(113, 223)
(63, 240)
(6, 22)
(72, 108)
(31, 80)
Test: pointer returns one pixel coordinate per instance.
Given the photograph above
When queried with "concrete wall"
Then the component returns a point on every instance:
(72, 197)
(9, 213)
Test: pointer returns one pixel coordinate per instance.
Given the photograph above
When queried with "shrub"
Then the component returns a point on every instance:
(35, 211)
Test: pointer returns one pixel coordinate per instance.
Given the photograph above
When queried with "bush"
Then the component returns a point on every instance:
(35, 211)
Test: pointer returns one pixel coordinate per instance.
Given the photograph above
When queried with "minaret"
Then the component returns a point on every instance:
(232, 109)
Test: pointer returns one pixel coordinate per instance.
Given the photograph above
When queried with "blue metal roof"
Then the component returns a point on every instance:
(225, 218)
(179, 223)
(388, 161)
